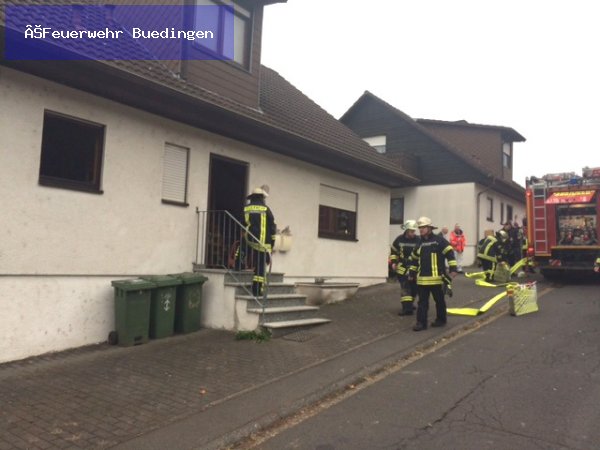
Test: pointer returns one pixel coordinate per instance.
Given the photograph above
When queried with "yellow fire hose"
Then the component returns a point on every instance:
(479, 278)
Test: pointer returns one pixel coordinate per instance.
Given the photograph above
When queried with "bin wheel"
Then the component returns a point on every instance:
(113, 338)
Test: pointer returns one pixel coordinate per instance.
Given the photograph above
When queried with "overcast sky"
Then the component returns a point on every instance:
(530, 65)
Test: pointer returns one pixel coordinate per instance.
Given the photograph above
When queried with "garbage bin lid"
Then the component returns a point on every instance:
(162, 280)
(190, 277)
(133, 284)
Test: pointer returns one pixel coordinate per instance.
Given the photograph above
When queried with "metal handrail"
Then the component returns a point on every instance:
(219, 234)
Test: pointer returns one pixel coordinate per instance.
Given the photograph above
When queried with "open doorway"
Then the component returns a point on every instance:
(227, 187)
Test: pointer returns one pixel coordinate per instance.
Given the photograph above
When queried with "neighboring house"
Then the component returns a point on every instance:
(105, 165)
(465, 170)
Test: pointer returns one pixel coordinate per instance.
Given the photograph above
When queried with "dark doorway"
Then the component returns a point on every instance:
(227, 185)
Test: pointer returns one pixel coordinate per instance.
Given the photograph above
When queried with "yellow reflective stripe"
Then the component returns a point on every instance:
(406, 298)
(489, 246)
(486, 257)
(452, 263)
(429, 282)
(447, 249)
(430, 278)
(401, 270)
(434, 267)
(255, 208)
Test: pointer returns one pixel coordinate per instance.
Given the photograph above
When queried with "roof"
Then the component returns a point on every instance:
(285, 112)
(514, 188)
(508, 134)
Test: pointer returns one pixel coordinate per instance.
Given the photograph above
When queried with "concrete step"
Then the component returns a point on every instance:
(278, 329)
(274, 288)
(276, 300)
(285, 313)
(245, 276)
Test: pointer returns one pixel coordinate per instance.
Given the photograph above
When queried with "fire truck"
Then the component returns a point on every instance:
(563, 218)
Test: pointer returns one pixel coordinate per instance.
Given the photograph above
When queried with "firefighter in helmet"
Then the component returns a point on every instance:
(427, 267)
(402, 248)
(260, 236)
(491, 251)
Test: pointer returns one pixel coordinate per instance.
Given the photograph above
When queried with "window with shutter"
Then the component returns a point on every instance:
(175, 170)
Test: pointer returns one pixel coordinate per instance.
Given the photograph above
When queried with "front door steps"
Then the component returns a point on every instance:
(284, 312)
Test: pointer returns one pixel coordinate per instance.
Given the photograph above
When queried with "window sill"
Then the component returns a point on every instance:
(338, 238)
(68, 184)
(174, 203)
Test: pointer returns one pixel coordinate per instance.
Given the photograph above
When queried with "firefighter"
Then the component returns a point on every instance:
(507, 246)
(402, 248)
(428, 269)
(491, 251)
(261, 229)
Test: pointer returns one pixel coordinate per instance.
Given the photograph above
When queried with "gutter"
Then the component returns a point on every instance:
(488, 188)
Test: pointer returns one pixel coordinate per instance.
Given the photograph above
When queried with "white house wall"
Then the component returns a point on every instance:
(449, 204)
(61, 248)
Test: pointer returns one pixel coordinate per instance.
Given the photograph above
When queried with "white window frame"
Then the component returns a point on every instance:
(379, 143)
(507, 155)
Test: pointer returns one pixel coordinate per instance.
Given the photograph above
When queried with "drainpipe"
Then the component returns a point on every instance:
(479, 206)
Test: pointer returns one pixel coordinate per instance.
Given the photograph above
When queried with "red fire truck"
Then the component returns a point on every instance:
(563, 212)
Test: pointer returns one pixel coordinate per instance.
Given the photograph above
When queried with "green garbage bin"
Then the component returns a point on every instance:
(162, 305)
(189, 301)
(132, 312)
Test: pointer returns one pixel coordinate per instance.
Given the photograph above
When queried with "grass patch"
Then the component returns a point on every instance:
(258, 336)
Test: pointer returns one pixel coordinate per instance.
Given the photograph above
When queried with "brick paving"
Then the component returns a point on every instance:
(101, 395)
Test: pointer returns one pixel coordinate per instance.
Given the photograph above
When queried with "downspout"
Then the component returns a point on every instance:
(479, 205)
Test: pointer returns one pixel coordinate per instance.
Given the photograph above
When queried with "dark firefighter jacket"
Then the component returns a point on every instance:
(491, 249)
(427, 260)
(402, 248)
(260, 224)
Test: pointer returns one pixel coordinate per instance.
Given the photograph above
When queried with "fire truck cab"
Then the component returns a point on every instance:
(563, 225)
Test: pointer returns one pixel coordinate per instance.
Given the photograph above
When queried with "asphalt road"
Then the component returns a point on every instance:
(528, 382)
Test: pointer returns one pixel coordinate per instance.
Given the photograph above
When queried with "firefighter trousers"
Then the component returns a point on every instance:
(260, 260)
(489, 267)
(408, 292)
(437, 292)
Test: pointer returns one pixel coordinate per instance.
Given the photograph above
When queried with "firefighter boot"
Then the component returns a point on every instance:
(407, 309)
(256, 288)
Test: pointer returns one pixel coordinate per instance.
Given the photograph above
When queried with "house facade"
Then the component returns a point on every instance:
(107, 167)
(465, 170)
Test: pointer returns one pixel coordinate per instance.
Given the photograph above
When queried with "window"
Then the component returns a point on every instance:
(507, 155)
(71, 153)
(337, 213)
(490, 210)
(233, 30)
(397, 211)
(509, 213)
(377, 142)
(501, 212)
(175, 171)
